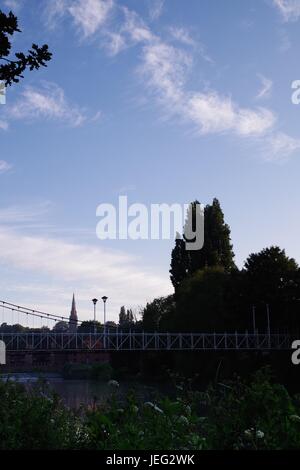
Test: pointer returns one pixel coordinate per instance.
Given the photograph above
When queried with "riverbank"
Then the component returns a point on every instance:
(238, 414)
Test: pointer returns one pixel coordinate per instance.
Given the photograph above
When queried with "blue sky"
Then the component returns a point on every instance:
(165, 101)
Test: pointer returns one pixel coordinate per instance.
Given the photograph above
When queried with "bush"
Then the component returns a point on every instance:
(253, 414)
(36, 419)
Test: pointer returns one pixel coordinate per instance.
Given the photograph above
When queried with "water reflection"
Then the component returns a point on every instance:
(85, 392)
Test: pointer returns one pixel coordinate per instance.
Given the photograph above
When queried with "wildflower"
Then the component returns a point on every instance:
(249, 432)
(295, 418)
(260, 434)
(183, 420)
(113, 384)
(120, 410)
(135, 409)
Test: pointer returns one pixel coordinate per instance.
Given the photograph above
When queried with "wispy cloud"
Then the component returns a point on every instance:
(83, 267)
(3, 125)
(214, 113)
(155, 9)
(279, 146)
(266, 87)
(182, 35)
(289, 9)
(4, 166)
(14, 5)
(23, 214)
(165, 67)
(87, 15)
(48, 102)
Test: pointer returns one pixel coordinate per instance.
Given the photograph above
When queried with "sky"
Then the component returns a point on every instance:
(165, 101)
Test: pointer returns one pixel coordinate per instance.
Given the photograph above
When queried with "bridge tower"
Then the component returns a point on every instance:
(73, 319)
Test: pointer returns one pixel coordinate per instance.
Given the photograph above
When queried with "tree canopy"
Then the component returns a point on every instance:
(216, 251)
(13, 67)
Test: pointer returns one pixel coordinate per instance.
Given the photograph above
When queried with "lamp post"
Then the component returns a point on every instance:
(104, 298)
(94, 302)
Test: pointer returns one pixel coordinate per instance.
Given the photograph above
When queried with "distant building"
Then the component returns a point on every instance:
(73, 319)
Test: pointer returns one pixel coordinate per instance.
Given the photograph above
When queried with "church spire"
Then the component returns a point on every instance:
(73, 319)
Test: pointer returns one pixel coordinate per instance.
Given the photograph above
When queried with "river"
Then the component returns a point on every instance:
(76, 392)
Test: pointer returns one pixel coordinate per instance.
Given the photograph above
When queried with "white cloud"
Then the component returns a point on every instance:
(14, 5)
(87, 15)
(88, 269)
(165, 68)
(266, 87)
(3, 125)
(182, 35)
(289, 9)
(4, 166)
(279, 146)
(47, 102)
(90, 15)
(23, 214)
(156, 9)
(213, 113)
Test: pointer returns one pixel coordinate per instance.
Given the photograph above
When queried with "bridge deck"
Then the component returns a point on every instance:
(142, 341)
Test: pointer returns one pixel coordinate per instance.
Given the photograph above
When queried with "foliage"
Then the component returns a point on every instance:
(36, 419)
(271, 277)
(169, 424)
(89, 326)
(253, 414)
(217, 249)
(12, 70)
(126, 318)
(159, 314)
(256, 414)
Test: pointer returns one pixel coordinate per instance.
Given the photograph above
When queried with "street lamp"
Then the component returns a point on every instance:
(104, 298)
(94, 302)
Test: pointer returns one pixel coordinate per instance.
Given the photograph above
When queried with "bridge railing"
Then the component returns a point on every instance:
(144, 341)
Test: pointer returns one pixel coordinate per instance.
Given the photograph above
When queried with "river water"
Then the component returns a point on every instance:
(76, 392)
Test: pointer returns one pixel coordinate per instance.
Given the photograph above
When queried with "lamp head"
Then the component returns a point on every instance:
(104, 298)
(94, 301)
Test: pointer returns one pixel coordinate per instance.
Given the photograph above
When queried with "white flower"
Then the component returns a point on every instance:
(183, 420)
(295, 418)
(260, 434)
(113, 383)
(249, 432)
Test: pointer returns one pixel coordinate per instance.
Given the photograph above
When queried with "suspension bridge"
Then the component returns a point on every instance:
(108, 340)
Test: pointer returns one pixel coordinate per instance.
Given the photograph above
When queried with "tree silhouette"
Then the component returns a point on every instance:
(12, 70)
(216, 251)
